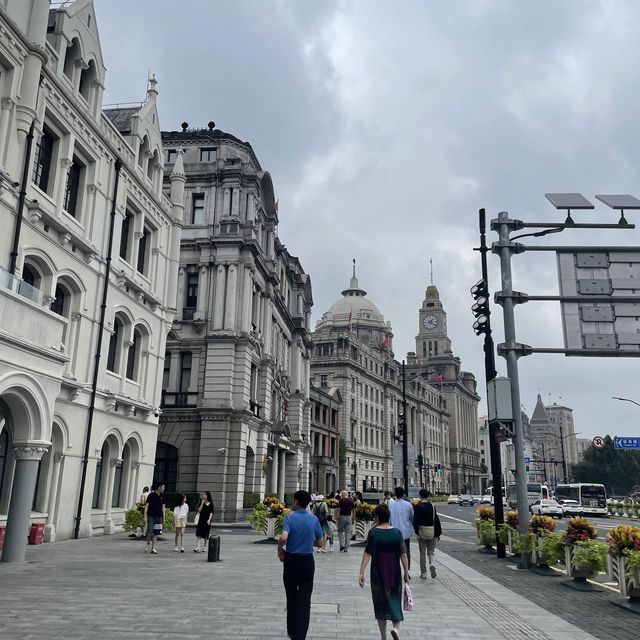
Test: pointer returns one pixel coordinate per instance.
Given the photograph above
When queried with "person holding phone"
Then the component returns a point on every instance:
(180, 513)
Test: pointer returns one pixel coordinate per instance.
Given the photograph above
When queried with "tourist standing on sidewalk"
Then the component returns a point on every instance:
(321, 511)
(154, 516)
(426, 524)
(346, 508)
(180, 513)
(402, 518)
(205, 516)
(301, 531)
(387, 552)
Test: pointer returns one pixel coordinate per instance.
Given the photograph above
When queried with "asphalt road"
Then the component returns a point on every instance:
(456, 520)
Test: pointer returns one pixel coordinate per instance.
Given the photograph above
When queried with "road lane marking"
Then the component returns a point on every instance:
(444, 515)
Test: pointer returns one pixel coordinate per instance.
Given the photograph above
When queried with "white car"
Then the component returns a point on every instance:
(547, 508)
(486, 499)
(453, 499)
(570, 507)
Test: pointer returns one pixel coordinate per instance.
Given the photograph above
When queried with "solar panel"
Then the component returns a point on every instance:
(620, 201)
(568, 201)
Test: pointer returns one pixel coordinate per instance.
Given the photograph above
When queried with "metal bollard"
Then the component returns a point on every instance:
(213, 554)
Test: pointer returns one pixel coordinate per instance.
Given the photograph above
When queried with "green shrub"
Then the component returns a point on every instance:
(552, 546)
(590, 554)
(632, 558)
(133, 519)
(288, 499)
(258, 517)
(524, 543)
(250, 500)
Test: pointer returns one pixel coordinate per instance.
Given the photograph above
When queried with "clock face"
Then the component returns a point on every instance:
(430, 322)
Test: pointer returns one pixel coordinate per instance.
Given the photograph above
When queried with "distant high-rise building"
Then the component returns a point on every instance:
(582, 445)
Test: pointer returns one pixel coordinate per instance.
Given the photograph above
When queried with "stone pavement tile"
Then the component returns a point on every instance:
(108, 588)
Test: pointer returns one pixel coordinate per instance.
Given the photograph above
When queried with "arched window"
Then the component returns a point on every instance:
(87, 78)
(60, 304)
(30, 275)
(117, 486)
(70, 57)
(97, 485)
(113, 359)
(166, 469)
(133, 356)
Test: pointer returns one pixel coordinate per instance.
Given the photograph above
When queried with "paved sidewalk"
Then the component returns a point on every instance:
(108, 588)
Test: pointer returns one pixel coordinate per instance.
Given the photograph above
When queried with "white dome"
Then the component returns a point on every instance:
(354, 303)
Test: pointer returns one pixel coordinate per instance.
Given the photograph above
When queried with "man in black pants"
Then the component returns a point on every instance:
(300, 533)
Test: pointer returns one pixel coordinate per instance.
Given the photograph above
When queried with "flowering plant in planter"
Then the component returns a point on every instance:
(486, 513)
(365, 511)
(539, 525)
(580, 530)
(415, 501)
(512, 519)
(632, 559)
(269, 500)
(623, 537)
(333, 503)
(277, 509)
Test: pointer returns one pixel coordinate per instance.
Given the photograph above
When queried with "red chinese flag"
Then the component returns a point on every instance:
(385, 342)
(438, 378)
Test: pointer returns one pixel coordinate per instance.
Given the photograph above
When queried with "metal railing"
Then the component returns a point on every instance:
(15, 284)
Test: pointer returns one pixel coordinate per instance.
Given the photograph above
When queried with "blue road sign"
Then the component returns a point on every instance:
(621, 442)
(527, 460)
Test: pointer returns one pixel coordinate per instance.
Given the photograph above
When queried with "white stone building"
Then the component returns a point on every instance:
(236, 380)
(353, 352)
(87, 279)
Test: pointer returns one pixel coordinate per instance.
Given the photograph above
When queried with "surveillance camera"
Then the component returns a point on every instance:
(222, 450)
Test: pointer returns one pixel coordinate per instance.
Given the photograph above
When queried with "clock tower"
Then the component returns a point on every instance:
(432, 339)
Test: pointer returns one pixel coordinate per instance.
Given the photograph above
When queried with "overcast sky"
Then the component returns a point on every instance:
(386, 125)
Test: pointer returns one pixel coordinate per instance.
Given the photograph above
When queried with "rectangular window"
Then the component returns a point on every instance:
(43, 160)
(185, 378)
(207, 155)
(197, 208)
(172, 154)
(324, 381)
(142, 251)
(166, 372)
(124, 235)
(192, 291)
(72, 188)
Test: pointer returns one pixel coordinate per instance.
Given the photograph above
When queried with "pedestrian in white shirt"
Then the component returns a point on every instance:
(402, 518)
(180, 514)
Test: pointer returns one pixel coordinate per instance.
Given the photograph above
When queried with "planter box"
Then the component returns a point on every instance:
(270, 531)
(363, 527)
(574, 571)
(511, 540)
(617, 569)
(537, 556)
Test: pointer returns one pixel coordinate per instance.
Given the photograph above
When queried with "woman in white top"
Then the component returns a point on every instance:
(180, 514)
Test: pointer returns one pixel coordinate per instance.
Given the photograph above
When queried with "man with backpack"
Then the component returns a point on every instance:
(427, 526)
(321, 511)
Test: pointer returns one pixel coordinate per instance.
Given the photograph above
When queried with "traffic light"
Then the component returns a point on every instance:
(480, 308)
(420, 461)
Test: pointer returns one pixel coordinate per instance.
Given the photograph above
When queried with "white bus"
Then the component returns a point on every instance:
(487, 497)
(592, 497)
(535, 491)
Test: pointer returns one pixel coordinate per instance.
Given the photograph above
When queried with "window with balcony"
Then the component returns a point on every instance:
(197, 208)
(72, 188)
(191, 300)
(42, 172)
(207, 155)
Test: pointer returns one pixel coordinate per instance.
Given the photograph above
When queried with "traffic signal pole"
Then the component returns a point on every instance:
(490, 374)
(405, 443)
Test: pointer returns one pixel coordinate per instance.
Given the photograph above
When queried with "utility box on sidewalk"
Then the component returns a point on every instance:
(213, 554)
(36, 535)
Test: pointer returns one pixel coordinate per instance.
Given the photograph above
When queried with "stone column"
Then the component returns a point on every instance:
(6, 105)
(235, 202)
(282, 469)
(108, 522)
(24, 484)
(226, 206)
(203, 286)
(134, 476)
(230, 302)
(50, 528)
(218, 308)
(180, 296)
(247, 306)
(273, 484)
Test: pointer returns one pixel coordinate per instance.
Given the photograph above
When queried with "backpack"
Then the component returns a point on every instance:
(320, 512)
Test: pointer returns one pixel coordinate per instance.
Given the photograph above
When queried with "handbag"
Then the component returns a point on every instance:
(196, 519)
(426, 532)
(407, 599)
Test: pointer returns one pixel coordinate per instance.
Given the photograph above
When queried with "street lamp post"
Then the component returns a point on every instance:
(354, 443)
(626, 400)
(405, 429)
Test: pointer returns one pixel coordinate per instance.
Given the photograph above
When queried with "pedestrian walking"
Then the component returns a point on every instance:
(321, 511)
(180, 514)
(402, 518)
(205, 516)
(427, 527)
(301, 531)
(142, 500)
(154, 516)
(386, 551)
(346, 510)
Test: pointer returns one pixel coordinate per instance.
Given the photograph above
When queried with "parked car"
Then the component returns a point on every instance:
(547, 508)
(467, 499)
(486, 499)
(570, 507)
(453, 499)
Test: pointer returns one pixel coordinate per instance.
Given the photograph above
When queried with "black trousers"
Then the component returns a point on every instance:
(298, 585)
(407, 543)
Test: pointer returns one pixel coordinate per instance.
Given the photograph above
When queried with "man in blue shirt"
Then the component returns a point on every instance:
(300, 533)
(402, 518)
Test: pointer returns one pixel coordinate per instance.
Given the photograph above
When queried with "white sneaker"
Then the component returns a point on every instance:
(176, 549)
(330, 548)
(324, 551)
(146, 548)
(181, 549)
(153, 551)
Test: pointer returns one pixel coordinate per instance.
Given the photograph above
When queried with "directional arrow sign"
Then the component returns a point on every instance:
(622, 442)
